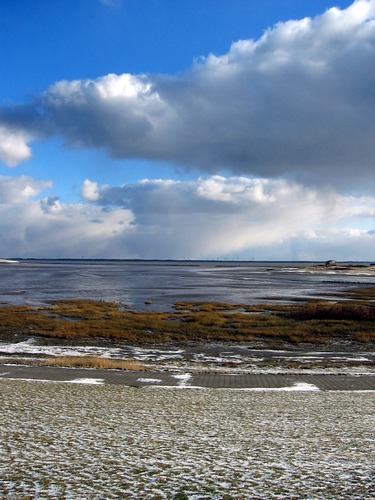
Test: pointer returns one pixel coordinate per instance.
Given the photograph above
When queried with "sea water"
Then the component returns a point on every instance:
(157, 285)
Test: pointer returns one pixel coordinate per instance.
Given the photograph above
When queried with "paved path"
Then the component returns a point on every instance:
(206, 380)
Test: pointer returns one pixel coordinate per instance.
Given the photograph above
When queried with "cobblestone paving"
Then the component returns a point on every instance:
(205, 380)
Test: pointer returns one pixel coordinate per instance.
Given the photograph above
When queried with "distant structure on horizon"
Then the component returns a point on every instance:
(331, 263)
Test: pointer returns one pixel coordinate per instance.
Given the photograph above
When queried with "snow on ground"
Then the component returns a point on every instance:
(221, 358)
(86, 441)
(150, 380)
(93, 381)
(183, 379)
(298, 386)
(154, 354)
(31, 347)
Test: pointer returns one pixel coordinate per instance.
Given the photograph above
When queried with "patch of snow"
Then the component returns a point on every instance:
(150, 380)
(303, 386)
(94, 381)
(152, 350)
(150, 354)
(297, 386)
(179, 387)
(20, 379)
(184, 379)
(30, 347)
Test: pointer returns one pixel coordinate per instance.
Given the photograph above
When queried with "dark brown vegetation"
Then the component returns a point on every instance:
(349, 317)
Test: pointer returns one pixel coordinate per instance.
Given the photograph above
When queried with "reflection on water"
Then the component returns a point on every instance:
(164, 283)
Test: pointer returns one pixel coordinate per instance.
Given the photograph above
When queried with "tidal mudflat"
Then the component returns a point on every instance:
(98, 441)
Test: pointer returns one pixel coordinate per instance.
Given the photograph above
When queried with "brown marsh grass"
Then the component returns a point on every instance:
(315, 321)
(94, 362)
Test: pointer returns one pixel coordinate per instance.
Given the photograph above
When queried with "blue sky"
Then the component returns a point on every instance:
(183, 128)
(47, 41)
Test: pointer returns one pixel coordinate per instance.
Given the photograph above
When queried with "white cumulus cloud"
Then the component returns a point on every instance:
(217, 216)
(13, 146)
(209, 217)
(90, 190)
(17, 189)
(48, 228)
(299, 101)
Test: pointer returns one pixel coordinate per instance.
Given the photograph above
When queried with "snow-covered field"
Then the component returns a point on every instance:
(83, 441)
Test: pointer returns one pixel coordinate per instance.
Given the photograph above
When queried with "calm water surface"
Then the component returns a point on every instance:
(165, 283)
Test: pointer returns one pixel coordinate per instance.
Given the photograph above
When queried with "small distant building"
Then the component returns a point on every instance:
(331, 263)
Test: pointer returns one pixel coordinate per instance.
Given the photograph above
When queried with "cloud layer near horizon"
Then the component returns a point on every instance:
(212, 217)
(299, 102)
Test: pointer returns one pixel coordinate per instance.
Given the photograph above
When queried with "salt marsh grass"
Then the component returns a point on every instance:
(317, 321)
(94, 442)
(94, 362)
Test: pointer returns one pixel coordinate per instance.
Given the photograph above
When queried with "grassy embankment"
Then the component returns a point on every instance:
(314, 321)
